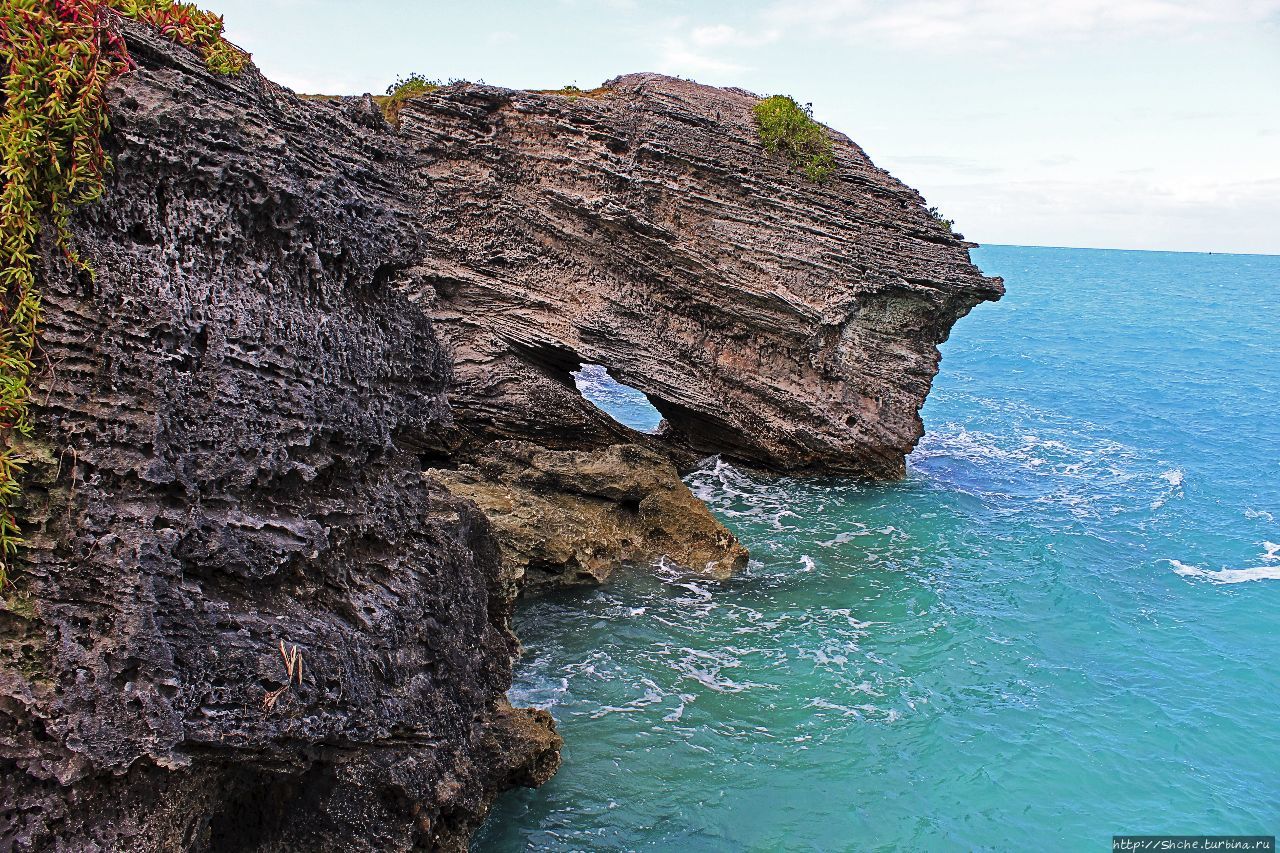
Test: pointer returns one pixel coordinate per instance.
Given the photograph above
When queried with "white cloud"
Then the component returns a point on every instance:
(712, 48)
(713, 36)
(1147, 212)
(305, 84)
(679, 57)
(691, 48)
(987, 23)
(723, 35)
(941, 163)
(616, 5)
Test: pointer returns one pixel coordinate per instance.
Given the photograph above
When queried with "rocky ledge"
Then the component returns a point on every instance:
(246, 618)
(571, 518)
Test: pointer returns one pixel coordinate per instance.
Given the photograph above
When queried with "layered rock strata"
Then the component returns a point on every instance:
(785, 324)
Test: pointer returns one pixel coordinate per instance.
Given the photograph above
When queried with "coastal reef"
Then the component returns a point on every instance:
(308, 430)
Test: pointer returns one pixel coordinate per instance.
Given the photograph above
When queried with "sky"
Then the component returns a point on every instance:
(1129, 124)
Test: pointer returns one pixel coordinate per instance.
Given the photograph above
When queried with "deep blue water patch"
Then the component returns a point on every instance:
(1059, 627)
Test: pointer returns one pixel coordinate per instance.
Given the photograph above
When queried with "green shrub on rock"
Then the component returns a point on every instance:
(937, 216)
(403, 90)
(787, 128)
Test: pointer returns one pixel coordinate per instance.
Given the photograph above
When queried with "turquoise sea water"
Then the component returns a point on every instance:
(1061, 626)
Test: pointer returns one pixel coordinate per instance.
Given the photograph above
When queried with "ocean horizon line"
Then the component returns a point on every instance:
(1149, 251)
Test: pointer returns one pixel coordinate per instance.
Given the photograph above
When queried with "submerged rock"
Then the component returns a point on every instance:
(571, 518)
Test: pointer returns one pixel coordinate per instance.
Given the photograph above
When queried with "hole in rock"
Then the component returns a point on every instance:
(626, 405)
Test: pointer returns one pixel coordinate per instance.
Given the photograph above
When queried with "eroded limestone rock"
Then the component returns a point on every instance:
(570, 518)
(778, 322)
(231, 424)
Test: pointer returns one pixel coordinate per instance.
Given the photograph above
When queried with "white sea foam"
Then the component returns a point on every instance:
(715, 480)
(606, 710)
(1223, 576)
(1173, 477)
(678, 711)
(847, 536)
(1084, 469)
(735, 495)
(826, 705)
(847, 614)
(544, 693)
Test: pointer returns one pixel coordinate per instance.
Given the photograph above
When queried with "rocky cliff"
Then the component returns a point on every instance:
(246, 619)
(782, 323)
(231, 418)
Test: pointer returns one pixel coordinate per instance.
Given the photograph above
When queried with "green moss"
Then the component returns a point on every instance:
(786, 128)
(20, 605)
(573, 92)
(414, 84)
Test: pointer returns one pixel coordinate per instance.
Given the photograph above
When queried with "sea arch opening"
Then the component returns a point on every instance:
(629, 406)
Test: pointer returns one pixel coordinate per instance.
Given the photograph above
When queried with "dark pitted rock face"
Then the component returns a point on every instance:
(779, 322)
(298, 308)
(230, 437)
